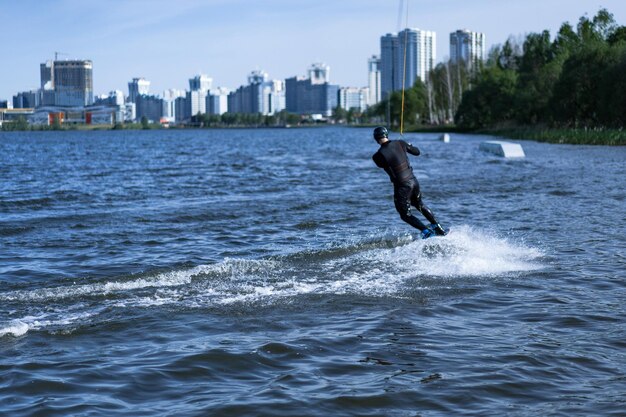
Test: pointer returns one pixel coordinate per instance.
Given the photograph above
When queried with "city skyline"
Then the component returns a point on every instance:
(167, 43)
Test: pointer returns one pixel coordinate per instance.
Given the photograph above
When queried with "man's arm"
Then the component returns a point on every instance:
(411, 149)
(378, 160)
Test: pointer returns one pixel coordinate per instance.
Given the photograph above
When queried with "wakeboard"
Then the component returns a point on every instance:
(433, 233)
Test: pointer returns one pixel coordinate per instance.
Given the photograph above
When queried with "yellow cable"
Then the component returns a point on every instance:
(406, 36)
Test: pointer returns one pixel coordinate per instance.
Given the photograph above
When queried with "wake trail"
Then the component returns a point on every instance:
(365, 267)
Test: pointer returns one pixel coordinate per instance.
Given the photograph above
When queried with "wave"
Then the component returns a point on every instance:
(367, 267)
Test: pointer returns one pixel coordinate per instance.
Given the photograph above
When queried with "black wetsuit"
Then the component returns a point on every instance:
(392, 157)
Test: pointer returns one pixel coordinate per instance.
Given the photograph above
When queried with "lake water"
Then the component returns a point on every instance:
(266, 272)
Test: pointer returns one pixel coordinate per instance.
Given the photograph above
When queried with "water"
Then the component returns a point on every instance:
(266, 272)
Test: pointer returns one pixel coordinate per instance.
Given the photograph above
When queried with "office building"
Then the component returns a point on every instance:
(46, 91)
(261, 95)
(200, 82)
(115, 98)
(467, 46)
(312, 95)
(138, 87)
(319, 73)
(26, 100)
(405, 57)
(182, 110)
(373, 80)
(353, 98)
(199, 87)
(150, 107)
(388, 59)
(73, 83)
(169, 103)
(217, 101)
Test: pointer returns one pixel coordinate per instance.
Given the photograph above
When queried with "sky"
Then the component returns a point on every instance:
(168, 42)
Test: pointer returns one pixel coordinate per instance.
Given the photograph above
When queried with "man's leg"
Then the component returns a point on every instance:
(402, 201)
(416, 200)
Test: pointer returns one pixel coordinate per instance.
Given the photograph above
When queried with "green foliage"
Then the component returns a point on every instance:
(491, 100)
(18, 124)
(445, 87)
(415, 107)
(576, 80)
(339, 114)
(613, 137)
(245, 120)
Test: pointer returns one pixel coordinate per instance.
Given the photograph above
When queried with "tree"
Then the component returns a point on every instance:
(618, 35)
(339, 114)
(539, 70)
(577, 95)
(490, 101)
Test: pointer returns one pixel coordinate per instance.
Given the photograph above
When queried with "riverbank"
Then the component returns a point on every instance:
(607, 137)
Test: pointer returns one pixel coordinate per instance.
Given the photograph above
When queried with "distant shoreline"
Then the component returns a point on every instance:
(570, 136)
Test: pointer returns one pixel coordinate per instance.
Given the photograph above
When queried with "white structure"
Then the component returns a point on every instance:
(199, 86)
(261, 95)
(373, 80)
(353, 98)
(116, 98)
(505, 149)
(420, 55)
(467, 46)
(169, 103)
(200, 82)
(405, 57)
(138, 87)
(217, 101)
(197, 101)
(319, 73)
(258, 77)
(273, 94)
(445, 138)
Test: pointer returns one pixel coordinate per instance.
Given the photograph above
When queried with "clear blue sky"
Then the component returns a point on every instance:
(168, 42)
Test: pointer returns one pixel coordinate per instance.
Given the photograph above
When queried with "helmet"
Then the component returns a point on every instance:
(380, 132)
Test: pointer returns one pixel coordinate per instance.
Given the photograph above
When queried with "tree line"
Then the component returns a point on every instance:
(576, 80)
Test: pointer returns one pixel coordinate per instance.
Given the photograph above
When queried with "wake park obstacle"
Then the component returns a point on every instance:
(501, 148)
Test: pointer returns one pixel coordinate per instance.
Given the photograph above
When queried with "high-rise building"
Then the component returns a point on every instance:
(388, 58)
(115, 98)
(138, 87)
(405, 57)
(319, 73)
(199, 87)
(45, 70)
(26, 100)
(181, 109)
(200, 82)
(373, 80)
(217, 101)
(261, 95)
(73, 82)
(311, 95)
(46, 91)
(467, 46)
(353, 98)
(150, 107)
(169, 103)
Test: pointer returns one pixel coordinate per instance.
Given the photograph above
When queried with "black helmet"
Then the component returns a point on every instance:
(380, 132)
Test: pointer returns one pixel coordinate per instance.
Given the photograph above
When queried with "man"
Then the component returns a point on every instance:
(392, 157)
